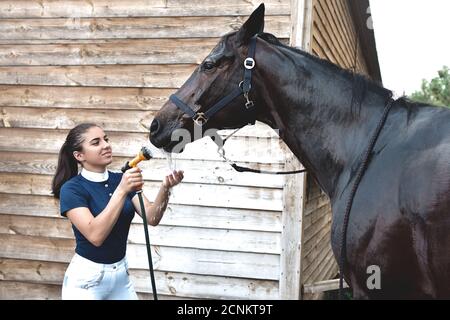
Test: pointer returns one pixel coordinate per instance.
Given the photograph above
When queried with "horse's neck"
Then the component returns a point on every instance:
(313, 113)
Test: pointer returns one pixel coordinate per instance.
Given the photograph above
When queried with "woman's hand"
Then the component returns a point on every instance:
(132, 180)
(173, 179)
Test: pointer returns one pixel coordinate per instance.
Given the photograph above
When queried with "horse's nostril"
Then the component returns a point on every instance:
(154, 127)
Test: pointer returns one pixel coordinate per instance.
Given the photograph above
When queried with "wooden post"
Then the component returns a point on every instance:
(301, 24)
(295, 187)
(291, 235)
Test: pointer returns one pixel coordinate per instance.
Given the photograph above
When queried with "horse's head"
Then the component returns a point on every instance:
(218, 76)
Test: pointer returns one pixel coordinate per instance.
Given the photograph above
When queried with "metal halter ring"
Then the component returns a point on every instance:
(241, 85)
(200, 119)
(249, 63)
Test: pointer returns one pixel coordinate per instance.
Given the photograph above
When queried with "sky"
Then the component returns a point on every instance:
(413, 41)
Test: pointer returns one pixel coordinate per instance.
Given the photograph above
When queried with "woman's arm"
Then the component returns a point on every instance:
(96, 229)
(155, 211)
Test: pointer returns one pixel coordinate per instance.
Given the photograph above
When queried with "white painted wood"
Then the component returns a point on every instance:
(196, 171)
(184, 193)
(240, 149)
(187, 260)
(170, 236)
(176, 214)
(168, 283)
(110, 120)
(291, 236)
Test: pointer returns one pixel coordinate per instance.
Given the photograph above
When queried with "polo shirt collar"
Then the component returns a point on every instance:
(95, 176)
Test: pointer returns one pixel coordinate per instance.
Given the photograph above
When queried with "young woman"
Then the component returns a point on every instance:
(101, 204)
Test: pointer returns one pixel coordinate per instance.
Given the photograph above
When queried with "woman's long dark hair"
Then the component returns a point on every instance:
(67, 164)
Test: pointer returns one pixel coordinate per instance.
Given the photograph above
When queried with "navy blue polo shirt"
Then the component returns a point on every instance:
(80, 192)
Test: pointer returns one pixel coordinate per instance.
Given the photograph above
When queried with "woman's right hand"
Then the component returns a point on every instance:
(132, 180)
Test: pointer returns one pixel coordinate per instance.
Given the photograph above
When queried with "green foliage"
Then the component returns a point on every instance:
(437, 91)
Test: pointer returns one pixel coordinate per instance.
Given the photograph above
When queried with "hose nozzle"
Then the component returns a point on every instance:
(144, 154)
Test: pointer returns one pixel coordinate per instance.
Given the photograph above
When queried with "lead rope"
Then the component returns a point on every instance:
(221, 152)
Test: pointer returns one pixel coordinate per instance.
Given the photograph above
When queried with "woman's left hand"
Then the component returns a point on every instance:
(173, 179)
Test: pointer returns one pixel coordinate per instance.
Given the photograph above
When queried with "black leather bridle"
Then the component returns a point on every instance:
(244, 87)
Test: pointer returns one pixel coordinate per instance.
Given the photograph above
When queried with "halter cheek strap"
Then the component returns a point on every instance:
(244, 87)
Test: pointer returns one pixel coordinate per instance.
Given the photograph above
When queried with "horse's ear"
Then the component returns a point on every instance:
(253, 26)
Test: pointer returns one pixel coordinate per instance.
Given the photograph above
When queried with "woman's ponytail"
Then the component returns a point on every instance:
(67, 164)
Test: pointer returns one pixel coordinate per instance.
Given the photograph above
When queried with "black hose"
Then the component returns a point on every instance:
(147, 242)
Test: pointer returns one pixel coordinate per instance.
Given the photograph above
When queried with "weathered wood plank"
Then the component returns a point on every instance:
(138, 8)
(167, 283)
(83, 97)
(329, 270)
(322, 236)
(182, 237)
(321, 245)
(176, 215)
(133, 28)
(247, 149)
(141, 51)
(196, 171)
(329, 31)
(328, 54)
(322, 286)
(348, 21)
(318, 274)
(109, 120)
(15, 290)
(184, 193)
(336, 23)
(322, 259)
(316, 227)
(314, 216)
(186, 260)
(321, 31)
(138, 76)
(57, 118)
(316, 203)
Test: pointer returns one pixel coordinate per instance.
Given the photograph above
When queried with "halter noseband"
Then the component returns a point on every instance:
(244, 87)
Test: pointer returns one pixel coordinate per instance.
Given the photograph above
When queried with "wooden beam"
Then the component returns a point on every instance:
(294, 190)
(291, 235)
(322, 286)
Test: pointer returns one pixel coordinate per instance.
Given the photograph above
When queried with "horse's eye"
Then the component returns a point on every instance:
(208, 65)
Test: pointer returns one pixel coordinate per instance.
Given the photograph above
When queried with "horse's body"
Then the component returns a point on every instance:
(400, 218)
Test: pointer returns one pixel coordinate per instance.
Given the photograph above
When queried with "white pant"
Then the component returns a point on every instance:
(88, 280)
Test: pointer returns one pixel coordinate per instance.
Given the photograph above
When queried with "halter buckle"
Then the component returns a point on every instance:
(200, 119)
(249, 63)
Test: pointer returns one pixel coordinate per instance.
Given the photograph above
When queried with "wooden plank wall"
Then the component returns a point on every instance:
(333, 37)
(334, 34)
(115, 62)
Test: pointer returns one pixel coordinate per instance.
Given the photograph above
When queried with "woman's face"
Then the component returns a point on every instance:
(96, 150)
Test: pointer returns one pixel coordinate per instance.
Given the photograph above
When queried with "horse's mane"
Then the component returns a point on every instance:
(360, 82)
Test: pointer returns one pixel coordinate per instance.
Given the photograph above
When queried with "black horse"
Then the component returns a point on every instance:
(400, 218)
